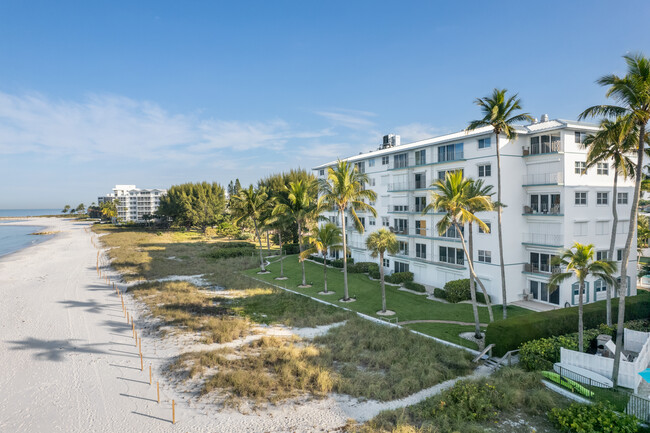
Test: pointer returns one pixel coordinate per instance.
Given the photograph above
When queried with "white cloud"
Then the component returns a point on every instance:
(416, 131)
(352, 119)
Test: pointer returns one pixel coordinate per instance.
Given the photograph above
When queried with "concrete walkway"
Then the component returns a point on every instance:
(450, 322)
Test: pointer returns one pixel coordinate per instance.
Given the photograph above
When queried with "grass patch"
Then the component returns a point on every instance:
(446, 331)
(385, 363)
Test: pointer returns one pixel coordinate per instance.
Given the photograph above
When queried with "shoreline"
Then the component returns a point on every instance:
(38, 238)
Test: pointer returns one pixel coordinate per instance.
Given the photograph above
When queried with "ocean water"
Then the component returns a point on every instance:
(14, 238)
(28, 212)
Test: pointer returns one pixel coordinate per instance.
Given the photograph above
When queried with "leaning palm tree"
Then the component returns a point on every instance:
(632, 92)
(451, 197)
(613, 142)
(301, 204)
(579, 261)
(344, 190)
(477, 188)
(323, 239)
(380, 242)
(251, 204)
(500, 113)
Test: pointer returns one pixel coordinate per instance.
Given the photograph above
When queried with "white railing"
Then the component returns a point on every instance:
(543, 179)
(543, 239)
(399, 186)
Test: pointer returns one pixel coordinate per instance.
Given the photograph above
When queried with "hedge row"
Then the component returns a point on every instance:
(415, 287)
(399, 277)
(362, 267)
(511, 333)
(226, 253)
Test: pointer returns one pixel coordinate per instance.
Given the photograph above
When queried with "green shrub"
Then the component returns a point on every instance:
(477, 400)
(416, 287)
(439, 293)
(510, 334)
(291, 249)
(457, 290)
(480, 297)
(233, 245)
(317, 259)
(599, 417)
(338, 263)
(362, 267)
(374, 273)
(224, 253)
(399, 277)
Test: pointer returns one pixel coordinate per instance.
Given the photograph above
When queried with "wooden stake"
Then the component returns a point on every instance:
(136, 339)
(150, 378)
(140, 344)
(127, 317)
(141, 363)
(158, 390)
(173, 412)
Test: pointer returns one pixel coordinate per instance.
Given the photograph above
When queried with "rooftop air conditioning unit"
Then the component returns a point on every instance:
(390, 140)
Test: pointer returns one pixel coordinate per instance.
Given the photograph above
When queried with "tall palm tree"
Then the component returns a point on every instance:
(301, 203)
(632, 92)
(579, 261)
(378, 243)
(279, 223)
(477, 188)
(451, 196)
(251, 204)
(344, 190)
(500, 113)
(613, 142)
(323, 239)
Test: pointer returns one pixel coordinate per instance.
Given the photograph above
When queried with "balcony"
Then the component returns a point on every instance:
(537, 148)
(399, 230)
(543, 179)
(554, 210)
(541, 269)
(400, 186)
(451, 156)
(543, 239)
(398, 208)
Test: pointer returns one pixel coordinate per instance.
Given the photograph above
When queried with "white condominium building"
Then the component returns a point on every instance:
(551, 202)
(134, 203)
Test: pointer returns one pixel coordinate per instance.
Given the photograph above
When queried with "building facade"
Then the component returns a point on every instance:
(551, 202)
(134, 203)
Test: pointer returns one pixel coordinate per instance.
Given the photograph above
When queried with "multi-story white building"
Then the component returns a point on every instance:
(551, 202)
(134, 203)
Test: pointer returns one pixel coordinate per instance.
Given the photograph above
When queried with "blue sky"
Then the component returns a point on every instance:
(158, 93)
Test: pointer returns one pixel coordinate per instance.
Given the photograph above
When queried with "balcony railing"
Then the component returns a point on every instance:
(543, 239)
(400, 186)
(542, 148)
(541, 269)
(543, 179)
(398, 208)
(553, 210)
(451, 156)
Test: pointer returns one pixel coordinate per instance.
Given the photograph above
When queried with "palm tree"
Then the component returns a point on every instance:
(579, 261)
(344, 190)
(323, 239)
(251, 204)
(642, 232)
(452, 197)
(280, 222)
(613, 142)
(499, 112)
(378, 243)
(302, 205)
(477, 188)
(632, 92)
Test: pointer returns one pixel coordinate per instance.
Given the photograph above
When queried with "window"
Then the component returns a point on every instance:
(540, 292)
(484, 143)
(386, 263)
(421, 227)
(372, 221)
(400, 160)
(385, 160)
(420, 203)
(619, 255)
(601, 255)
(540, 262)
(403, 248)
(545, 203)
(361, 166)
(385, 221)
(401, 267)
(453, 233)
(401, 226)
(421, 251)
(580, 137)
(371, 162)
(321, 172)
(601, 227)
(580, 167)
(372, 181)
(601, 198)
(489, 226)
(622, 198)
(450, 152)
(602, 168)
(622, 227)
(485, 170)
(420, 180)
(362, 220)
(544, 144)
(580, 229)
(400, 208)
(581, 199)
(600, 286)
(451, 255)
(420, 157)
(442, 174)
(485, 256)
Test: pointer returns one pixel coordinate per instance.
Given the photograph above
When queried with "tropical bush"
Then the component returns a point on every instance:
(579, 418)
(338, 263)
(291, 249)
(480, 297)
(362, 267)
(223, 253)
(457, 290)
(399, 277)
(374, 273)
(416, 287)
(439, 293)
(510, 334)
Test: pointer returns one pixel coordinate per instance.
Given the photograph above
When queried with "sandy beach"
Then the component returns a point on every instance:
(69, 361)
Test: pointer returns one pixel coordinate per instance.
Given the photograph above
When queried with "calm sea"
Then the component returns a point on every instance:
(14, 238)
(28, 212)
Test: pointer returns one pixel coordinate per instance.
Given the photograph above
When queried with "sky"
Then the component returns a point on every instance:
(157, 93)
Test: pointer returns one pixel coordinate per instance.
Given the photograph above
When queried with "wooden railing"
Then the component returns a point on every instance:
(482, 354)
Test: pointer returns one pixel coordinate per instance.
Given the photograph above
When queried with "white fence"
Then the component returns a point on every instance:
(628, 374)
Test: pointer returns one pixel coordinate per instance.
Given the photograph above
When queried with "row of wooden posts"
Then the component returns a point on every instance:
(129, 320)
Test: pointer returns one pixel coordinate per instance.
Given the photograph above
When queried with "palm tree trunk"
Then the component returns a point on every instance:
(626, 255)
(281, 254)
(580, 327)
(302, 262)
(345, 257)
(268, 242)
(259, 239)
(612, 244)
(502, 264)
(470, 264)
(472, 289)
(383, 286)
(325, 270)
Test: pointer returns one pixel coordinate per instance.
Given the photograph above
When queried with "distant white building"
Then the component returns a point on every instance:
(134, 203)
(551, 202)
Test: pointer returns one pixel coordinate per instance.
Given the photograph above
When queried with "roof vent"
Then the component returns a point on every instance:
(535, 120)
(390, 140)
(544, 117)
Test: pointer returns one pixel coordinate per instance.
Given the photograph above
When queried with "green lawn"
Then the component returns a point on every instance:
(408, 306)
